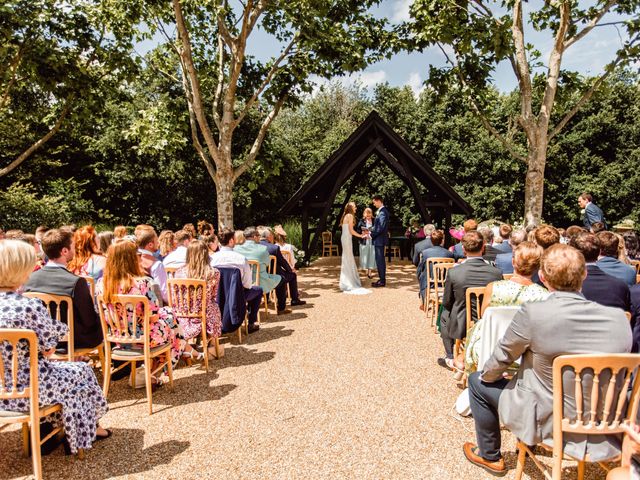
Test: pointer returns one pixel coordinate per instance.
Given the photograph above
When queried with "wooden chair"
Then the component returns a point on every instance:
(605, 415)
(392, 251)
(9, 391)
(636, 264)
(288, 256)
(92, 285)
(53, 304)
(255, 272)
(171, 271)
(434, 293)
(183, 293)
(507, 276)
(119, 326)
(327, 245)
(478, 293)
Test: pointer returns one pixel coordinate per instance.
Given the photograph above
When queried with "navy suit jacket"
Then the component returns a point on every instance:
(504, 247)
(593, 214)
(419, 247)
(605, 289)
(616, 268)
(433, 252)
(282, 266)
(458, 252)
(380, 230)
(503, 262)
(231, 299)
(490, 253)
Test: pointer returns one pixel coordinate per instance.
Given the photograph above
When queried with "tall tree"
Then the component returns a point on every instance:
(225, 86)
(476, 35)
(53, 55)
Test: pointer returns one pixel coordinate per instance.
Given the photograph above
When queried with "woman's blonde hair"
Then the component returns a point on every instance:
(121, 270)
(198, 260)
(166, 241)
(17, 260)
(365, 211)
(349, 208)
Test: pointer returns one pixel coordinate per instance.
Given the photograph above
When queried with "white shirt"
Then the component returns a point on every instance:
(158, 274)
(177, 258)
(226, 257)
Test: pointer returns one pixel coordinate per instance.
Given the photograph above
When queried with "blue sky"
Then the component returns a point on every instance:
(588, 56)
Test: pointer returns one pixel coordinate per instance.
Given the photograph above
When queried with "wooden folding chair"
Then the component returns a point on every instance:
(53, 304)
(432, 296)
(119, 325)
(604, 399)
(327, 245)
(183, 293)
(171, 271)
(92, 285)
(255, 272)
(478, 293)
(10, 339)
(288, 256)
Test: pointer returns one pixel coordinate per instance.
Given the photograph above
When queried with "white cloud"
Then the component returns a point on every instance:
(416, 83)
(400, 12)
(369, 79)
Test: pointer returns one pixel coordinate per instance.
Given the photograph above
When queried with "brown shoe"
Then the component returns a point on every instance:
(286, 311)
(471, 452)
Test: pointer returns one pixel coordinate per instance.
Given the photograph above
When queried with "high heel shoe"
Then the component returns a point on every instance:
(190, 354)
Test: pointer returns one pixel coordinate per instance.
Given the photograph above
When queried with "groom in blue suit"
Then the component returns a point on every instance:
(380, 239)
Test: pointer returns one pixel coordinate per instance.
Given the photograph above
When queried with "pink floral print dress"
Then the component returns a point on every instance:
(192, 327)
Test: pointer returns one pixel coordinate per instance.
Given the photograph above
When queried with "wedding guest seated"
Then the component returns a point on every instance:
(474, 272)
(490, 252)
(166, 244)
(546, 235)
(504, 261)
(178, 257)
(598, 227)
(105, 239)
(632, 244)
(198, 266)
(87, 259)
(565, 323)
(124, 276)
(609, 262)
(147, 242)
(120, 232)
(227, 257)
(284, 270)
(281, 240)
(204, 229)
(599, 286)
(70, 384)
(422, 245)
(212, 243)
(469, 226)
(239, 237)
(188, 227)
(14, 234)
(517, 290)
(252, 250)
(505, 231)
(55, 279)
(436, 251)
(572, 231)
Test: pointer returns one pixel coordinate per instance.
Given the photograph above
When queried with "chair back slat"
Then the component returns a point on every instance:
(120, 318)
(183, 295)
(287, 256)
(171, 271)
(440, 271)
(91, 282)
(53, 304)
(431, 262)
(273, 262)
(255, 272)
(470, 293)
(327, 237)
(14, 337)
(609, 376)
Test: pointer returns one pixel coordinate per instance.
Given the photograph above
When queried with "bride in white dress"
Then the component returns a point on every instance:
(349, 277)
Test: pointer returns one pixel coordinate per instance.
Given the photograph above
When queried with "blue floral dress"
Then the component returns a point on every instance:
(71, 384)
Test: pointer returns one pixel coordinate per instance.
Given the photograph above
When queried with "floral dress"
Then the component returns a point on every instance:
(71, 384)
(505, 293)
(192, 327)
(163, 328)
(93, 268)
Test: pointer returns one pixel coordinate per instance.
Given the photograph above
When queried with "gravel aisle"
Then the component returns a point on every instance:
(345, 387)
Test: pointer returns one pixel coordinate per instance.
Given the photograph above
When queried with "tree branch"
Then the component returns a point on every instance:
(507, 145)
(251, 157)
(267, 80)
(520, 64)
(587, 95)
(220, 86)
(15, 63)
(594, 21)
(40, 142)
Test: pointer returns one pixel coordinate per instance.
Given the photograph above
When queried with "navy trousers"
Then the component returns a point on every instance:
(291, 279)
(253, 296)
(381, 263)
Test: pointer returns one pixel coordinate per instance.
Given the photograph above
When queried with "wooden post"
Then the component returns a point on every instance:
(447, 224)
(305, 233)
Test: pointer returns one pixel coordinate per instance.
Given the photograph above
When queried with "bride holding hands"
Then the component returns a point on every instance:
(349, 278)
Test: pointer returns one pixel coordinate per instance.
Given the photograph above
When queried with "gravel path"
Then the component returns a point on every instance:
(345, 387)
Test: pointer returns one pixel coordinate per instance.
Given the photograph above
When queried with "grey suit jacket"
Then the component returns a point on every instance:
(474, 272)
(566, 323)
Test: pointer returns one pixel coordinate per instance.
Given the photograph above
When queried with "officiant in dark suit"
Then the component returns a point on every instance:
(380, 238)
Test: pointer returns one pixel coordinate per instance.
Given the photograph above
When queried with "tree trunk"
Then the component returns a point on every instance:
(224, 199)
(534, 183)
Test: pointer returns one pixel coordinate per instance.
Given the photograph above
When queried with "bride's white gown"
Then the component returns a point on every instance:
(349, 278)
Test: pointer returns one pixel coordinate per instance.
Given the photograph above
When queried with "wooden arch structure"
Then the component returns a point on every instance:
(315, 199)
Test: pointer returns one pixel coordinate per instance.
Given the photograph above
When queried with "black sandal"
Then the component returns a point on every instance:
(104, 437)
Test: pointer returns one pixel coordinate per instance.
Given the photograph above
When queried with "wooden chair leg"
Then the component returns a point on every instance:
(217, 347)
(25, 440)
(522, 458)
(132, 375)
(205, 344)
(147, 381)
(581, 469)
(101, 359)
(106, 380)
(35, 448)
(170, 369)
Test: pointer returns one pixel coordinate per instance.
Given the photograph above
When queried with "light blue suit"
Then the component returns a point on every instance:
(254, 251)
